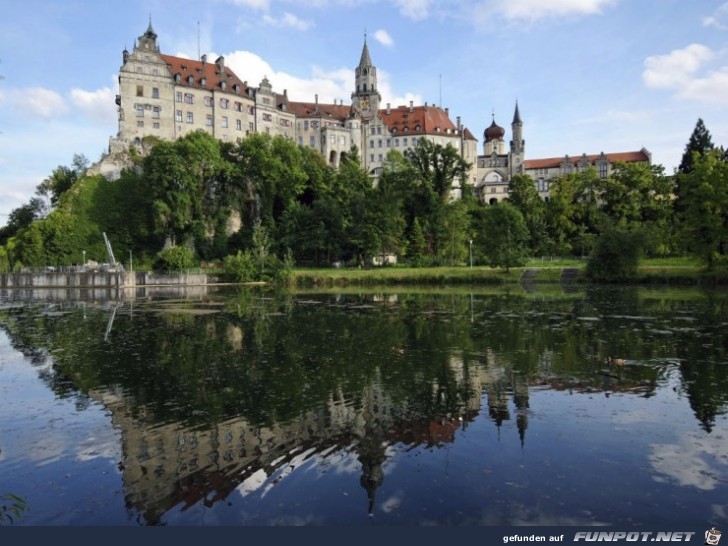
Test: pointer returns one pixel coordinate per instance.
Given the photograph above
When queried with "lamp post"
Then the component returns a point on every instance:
(83, 263)
(131, 263)
(471, 253)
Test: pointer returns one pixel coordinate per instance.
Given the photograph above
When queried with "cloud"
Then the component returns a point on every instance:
(694, 461)
(383, 37)
(680, 71)
(98, 106)
(675, 68)
(40, 103)
(719, 18)
(288, 20)
(416, 10)
(255, 4)
(539, 9)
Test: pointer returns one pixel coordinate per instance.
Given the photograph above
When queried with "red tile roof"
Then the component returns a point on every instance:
(210, 71)
(555, 162)
(418, 120)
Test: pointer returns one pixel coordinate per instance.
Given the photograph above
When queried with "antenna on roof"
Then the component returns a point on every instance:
(198, 41)
(440, 89)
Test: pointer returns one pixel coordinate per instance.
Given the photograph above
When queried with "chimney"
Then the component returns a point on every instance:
(425, 105)
(458, 123)
(447, 112)
(220, 62)
(388, 108)
(204, 58)
(285, 93)
(411, 108)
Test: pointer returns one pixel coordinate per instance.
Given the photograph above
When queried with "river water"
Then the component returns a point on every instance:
(393, 407)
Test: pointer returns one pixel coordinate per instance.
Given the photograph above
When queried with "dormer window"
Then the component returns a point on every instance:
(223, 85)
(177, 78)
(203, 82)
(236, 88)
(406, 129)
(190, 80)
(417, 128)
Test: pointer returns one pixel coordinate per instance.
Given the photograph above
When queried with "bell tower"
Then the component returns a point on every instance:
(365, 99)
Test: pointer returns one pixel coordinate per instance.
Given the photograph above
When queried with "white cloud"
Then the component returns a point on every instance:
(539, 9)
(675, 68)
(695, 461)
(288, 20)
(40, 102)
(383, 37)
(255, 4)
(719, 18)
(99, 106)
(414, 9)
(680, 71)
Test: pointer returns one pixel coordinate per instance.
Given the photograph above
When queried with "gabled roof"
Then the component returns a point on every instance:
(418, 120)
(641, 156)
(468, 135)
(213, 73)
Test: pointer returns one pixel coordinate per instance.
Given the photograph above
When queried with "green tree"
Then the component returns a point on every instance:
(616, 255)
(175, 258)
(504, 238)
(62, 178)
(523, 195)
(705, 218)
(700, 142)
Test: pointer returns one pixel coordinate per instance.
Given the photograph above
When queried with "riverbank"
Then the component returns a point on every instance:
(654, 273)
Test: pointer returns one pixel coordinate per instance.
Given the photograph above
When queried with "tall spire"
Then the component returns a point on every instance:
(516, 115)
(366, 60)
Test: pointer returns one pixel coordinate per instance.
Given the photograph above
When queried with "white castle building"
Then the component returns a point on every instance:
(167, 97)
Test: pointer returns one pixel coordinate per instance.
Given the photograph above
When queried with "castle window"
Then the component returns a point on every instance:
(178, 96)
(190, 80)
(603, 169)
(305, 125)
(223, 85)
(140, 91)
(177, 78)
(224, 103)
(379, 130)
(208, 101)
(405, 141)
(155, 92)
(140, 123)
(236, 88)
(414, 141)
(312, 141)
(224, 122)
(155, 72)
(190, 118)
(208, 121)
(396, 143)
(380, 142)
(178, 116)
(189, 98)
(155, 125)
(238, 125)
(371, 158)
(203, 82)
(139, 69)
(140, 110)
(417, 128)
(371, 144)
(155, 112)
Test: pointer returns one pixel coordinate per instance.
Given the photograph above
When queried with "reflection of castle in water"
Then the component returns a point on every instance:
(168, 465)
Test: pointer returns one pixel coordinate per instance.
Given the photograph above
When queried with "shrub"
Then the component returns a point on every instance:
(616, 255)
(175, 258)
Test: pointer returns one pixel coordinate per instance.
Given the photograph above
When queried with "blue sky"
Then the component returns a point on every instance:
(589, 75)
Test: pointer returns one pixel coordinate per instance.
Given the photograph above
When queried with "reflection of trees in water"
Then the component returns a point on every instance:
(262, 363)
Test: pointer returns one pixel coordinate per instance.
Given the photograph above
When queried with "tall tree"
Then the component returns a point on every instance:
(700, 142)
(705, 218)
(523, 195)
(505, 236)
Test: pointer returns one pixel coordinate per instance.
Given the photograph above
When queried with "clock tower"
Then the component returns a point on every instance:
(365, 99)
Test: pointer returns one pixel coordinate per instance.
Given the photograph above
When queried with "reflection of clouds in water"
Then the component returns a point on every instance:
(100, 443)
(391, 503)
(697, 461)
(252, 483)
(632, 417)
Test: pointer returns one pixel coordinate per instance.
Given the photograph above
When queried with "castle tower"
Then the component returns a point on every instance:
(365, 99)
(518, 145)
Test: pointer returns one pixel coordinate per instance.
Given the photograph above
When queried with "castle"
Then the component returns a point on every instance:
(168, 97)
